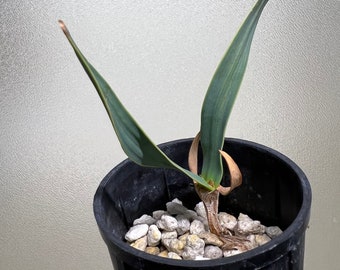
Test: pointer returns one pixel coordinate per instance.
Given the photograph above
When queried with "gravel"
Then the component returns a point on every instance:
(180, 233)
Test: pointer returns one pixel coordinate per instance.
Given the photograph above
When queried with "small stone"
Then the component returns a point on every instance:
(203, 220)
(183, 237)
(173, 255)
(144, 219)
(211, 239)
(164, 254)
(195, 242)
(140, 243)
(232, 252)
(154, 236)
(227, 221)
(174, 245)
(158, 214)
(246, 227)
(136, 232)
(176, 200)
(175, 207)
(180, 233)
(262, 239)
(183, 224)
(273, 231)
(152, 250)
(213, 252)
(251, 243)
(190, 214)
(243, 217)
(169, 235)
(167, 223)
(200, 210)
(196, 227)
(194, 247)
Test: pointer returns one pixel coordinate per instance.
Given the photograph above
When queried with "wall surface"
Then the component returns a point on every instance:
(56, 142)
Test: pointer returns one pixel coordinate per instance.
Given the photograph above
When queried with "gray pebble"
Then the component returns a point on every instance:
(175, 207)
(158, 214)
(167, 223)
(213, 252)
(145, 219)
(183, 224)
(273, 231)
(190, 214)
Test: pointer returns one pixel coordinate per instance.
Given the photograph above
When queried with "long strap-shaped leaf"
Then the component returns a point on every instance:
(222, 93)
(135, 143)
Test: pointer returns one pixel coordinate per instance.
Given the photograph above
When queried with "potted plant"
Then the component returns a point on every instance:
(274, 189)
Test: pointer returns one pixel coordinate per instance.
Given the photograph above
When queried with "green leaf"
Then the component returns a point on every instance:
(222, 93)
(135, 143)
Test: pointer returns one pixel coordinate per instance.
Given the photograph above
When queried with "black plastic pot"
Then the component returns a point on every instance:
(274, 191)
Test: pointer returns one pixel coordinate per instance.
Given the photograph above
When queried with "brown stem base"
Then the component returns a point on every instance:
(210, 200)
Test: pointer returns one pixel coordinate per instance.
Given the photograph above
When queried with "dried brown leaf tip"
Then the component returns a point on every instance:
(64, 28)
(235, 174)
(192, 159)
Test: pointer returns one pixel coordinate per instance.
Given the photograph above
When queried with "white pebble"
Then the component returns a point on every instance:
(246, 227)
(140, 243)
(154, 236)
(173, 255)
(169, 235)
(194, 247)
(196, 227)
(232, 252)
(227, 221)
(136, 232)
(174, 245)
(244, 217)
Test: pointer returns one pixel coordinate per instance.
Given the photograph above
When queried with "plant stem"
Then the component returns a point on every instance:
(210, 200)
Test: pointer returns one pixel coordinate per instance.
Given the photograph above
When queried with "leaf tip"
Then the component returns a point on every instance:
(64, 28)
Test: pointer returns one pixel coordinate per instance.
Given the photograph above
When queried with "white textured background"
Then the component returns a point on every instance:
(56, 142)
